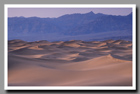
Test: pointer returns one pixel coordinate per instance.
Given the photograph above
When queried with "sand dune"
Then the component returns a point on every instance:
(70, 63)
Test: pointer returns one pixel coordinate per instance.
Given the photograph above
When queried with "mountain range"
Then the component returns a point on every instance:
(88, 26)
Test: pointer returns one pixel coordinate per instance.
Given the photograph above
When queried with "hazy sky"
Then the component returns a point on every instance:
(56, 12)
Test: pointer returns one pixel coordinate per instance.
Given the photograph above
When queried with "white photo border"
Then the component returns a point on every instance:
(6, 87)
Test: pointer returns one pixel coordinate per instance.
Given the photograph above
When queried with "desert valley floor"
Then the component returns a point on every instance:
(70, 63)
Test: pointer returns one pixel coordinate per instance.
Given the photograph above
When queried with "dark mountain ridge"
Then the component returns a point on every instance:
(68, 25)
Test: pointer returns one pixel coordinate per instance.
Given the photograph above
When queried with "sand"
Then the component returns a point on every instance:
(70, 63)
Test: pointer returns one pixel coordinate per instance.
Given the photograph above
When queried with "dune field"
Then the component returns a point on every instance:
(70, 63)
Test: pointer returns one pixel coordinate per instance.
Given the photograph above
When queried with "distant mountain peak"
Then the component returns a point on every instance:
(130, 13)
(21, 17)
(91, 12)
